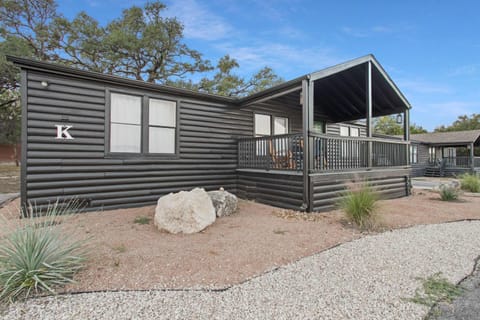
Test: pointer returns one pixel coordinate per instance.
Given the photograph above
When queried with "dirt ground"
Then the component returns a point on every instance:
(9, 178)
(258, 238)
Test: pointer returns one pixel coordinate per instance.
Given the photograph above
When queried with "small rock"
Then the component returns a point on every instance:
(224, 202)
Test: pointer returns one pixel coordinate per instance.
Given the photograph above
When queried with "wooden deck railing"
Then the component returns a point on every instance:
(280, 152)
(343, 153)
(330, 153)
(456, 162)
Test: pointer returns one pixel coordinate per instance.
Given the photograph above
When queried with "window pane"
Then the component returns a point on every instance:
(354, 132)
(281, 125)
(344, 131)
(161, 140)
(262, 125)
(125, 108)
(162, 113)
(124, 138)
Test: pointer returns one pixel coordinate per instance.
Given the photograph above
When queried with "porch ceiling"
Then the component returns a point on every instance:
(341, 96)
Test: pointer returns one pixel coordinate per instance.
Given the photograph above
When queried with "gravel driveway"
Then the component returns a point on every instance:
(364, 279)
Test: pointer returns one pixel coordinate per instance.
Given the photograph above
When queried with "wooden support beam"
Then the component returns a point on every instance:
(406, 131)
(472, 157)
(368, 104)
(307, 115)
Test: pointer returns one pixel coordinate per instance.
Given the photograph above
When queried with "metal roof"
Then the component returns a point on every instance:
(448, 138)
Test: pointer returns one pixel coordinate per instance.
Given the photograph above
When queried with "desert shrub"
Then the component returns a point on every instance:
(470, 182)
(359, 205)
(449, 193)
(37, 255)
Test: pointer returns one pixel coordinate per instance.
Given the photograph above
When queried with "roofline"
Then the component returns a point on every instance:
(284, 87)
(113, 79)
(356, 62)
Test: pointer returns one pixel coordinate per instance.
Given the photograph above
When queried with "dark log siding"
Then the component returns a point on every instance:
(418, 169)
(80, 167)
(334, 128)
(280, 190)
(327, 189)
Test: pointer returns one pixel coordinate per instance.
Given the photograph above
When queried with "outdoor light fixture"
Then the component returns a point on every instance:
(399, 118)
(44, 84)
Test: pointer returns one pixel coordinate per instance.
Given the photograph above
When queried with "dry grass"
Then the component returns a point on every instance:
(9, 178)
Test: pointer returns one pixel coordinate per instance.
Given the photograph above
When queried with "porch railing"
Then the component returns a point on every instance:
(330, 153)
(281, 152)
(340, 153)
(456, 162)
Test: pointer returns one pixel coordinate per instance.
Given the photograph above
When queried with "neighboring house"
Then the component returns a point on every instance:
(116, 142)
(445, 153)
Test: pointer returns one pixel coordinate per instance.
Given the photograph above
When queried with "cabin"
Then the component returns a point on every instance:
(445, 154)
(115, 143)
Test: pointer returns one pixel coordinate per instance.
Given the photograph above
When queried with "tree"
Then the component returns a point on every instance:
(32, 21)
(388, 125)
(463, 122)
(415, 128)
(226, 83)
(141, 44)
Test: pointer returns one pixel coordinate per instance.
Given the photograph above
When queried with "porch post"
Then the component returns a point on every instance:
(472, 157)
(368, 103)
(307, 114)
(406, 133)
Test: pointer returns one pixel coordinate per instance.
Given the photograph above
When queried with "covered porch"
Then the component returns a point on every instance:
(308, 167)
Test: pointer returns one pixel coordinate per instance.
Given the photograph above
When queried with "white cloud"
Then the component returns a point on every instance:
(375, 30)
(199, 21)
(420, 86)
(466, 70)
(281, 57)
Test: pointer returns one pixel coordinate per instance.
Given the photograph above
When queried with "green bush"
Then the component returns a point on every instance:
(37, 255)
(449, 193)
(360, 207)
(470, 182)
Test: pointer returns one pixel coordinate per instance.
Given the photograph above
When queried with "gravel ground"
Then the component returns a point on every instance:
(364, 279)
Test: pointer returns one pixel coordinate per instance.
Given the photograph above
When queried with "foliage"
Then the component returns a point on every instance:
(359, 205)
(434, 289)
(448, 193)
(463, 122)
(37, 256)
(226, 83)
(388, 125)
(142, 220)
(141, 44)
(470, 182)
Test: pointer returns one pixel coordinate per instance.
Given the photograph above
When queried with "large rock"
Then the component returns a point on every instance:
(185, 211)
(224, 202)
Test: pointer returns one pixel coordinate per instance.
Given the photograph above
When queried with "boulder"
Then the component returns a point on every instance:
(184, 212)
(224, 202)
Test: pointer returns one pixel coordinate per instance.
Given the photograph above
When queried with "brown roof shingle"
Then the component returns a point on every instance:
(451, 137)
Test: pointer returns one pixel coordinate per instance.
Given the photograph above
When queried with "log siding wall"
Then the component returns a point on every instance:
(83, 168)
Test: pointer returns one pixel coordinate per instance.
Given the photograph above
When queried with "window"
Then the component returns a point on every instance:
(413, 154)
(280, 125)
(161, 126)
(319, 126)
(145, 126)
(344, 131)
(354, 132)
(262, 125)
(125, 127)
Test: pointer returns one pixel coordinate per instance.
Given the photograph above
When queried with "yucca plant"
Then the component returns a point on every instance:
(470, 182)
(449, 193)
(37, 255)
(359, 205)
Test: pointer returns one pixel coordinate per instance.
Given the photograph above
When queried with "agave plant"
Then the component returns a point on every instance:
(37, 255)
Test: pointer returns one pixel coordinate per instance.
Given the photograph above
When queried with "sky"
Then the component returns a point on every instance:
(430, 48)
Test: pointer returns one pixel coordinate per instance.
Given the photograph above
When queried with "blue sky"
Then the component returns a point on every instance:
(431, 49)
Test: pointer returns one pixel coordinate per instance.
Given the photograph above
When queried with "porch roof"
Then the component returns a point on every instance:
(340, 91)
(448, 138)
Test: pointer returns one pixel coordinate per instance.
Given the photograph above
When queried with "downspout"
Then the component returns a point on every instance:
(368, 103)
